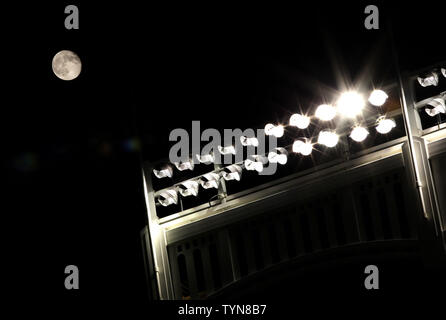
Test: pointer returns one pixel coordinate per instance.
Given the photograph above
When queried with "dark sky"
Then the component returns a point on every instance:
(76, 184)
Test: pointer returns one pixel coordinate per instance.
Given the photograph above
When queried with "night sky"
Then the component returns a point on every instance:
(72, 150)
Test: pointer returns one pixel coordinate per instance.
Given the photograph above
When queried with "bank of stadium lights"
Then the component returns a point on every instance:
(278, 155)
(385, 125)
(328, 138)
(359, 133)
(378, 98)
(300, 121)
(275, 130)
(303, 147)
(325, 112)
(436, 106)
(245, 141)
(255, 162)
(350, 104)
(431, 79)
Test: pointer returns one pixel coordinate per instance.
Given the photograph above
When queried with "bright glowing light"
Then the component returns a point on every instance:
(385, 125)
(165, 171)
(256, 162)
(443, 71)
(278, 155)
(325, 112)
(249, 141)
(304, 148)
(300, 121)
(431, 79)
(188, 188)
(232, 172)
(185, 165)
(205, 158)
(226, 150)
(350, 104)
(276, 131)
(378, 98)
(328, 138)
(435, 106)
(210, 180)
(359, 134)
(168, 197)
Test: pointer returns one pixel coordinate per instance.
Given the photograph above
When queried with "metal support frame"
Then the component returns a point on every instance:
(418, 166)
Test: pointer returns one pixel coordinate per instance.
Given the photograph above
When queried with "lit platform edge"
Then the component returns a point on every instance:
(279, 190)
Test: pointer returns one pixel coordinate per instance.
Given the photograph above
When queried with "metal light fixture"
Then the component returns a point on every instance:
(205, 158)
(303, 147)
(232, 172)
(210, 180)
(185, 165)
(249, 141)
(431, 79)
(359, 134)
(385, 125)
(435, 106)
(378, 98)
(325, 112)
(328, 138)
(300, 121)
(164, 171)
(188, 188)
(278, 155)
(226, 150)
(168, 197)
(276, 131)
(255, 162)
(350, 104)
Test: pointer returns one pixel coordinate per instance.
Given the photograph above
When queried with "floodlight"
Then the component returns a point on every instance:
(300, 121)
(276, 131)
(226, 150)
(188, 188)
(350, 104)
(431, 79)
(249, 141)
(185, 165)
(164, 171)
(328, 138)
(255, 162)
(378, 98)
(205, 158)
(359, 134)
(325, 112)
(385, 125)
(302, 147)
(168, 197)
(232, 172)
(210, 180)
(278, 155)
(435, 106)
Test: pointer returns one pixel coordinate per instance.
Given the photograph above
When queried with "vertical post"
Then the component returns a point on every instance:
(417, 163)
(158, 241)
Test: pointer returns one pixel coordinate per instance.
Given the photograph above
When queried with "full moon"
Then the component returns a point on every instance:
(66, 65)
